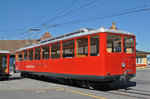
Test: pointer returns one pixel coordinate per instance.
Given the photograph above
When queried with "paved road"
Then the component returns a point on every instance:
(28, 88)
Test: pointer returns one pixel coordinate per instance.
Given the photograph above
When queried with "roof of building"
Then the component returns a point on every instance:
(13, 45)
(45, 36)
(139, 52)
(4, 51)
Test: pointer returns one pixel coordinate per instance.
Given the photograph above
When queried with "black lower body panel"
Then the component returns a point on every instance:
(4, 76)
(78, 77)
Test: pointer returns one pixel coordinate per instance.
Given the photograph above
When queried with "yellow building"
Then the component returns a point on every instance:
(141, 58)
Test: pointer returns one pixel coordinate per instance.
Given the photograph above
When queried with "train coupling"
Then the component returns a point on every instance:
(126, 77)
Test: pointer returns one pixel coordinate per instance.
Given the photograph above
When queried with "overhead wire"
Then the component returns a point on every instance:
(68, 5)
(102, 4)
(123, 12)
(21, 28)
(63, 9)
(66, 13)
(76, 9)
(108, 15)
(99, 17)
(73, 2)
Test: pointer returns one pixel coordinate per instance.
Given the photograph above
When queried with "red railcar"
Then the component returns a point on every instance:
(4, 64)
(99, 55)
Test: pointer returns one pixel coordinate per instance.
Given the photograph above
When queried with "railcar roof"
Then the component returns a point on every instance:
(78, 33)
(4, 51)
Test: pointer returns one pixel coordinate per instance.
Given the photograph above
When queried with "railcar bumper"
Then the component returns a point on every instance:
(123, 77)
(126, 77)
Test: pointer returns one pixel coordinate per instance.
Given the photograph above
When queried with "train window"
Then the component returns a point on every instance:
(24, 55)
(20, 56)
(82, 47)
(37, 53)
(3, 63)
(94, 45)
(45, 52)
(31, 54)
(114, 44)
(68, 49)
(128, 44)
(55, 51)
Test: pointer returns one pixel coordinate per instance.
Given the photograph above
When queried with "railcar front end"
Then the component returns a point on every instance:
(4, 64)
(120, 56)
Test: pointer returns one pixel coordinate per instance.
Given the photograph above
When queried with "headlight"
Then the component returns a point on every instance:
(123, 65)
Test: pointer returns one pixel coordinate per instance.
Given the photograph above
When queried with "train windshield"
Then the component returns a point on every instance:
(128, 44)
(115, 44)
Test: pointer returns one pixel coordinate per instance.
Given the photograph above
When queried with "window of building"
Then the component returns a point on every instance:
(128, 44)
(94, 45)
(139, 60)
(68, 49)
(25, 55)
(45, 52)
(82, 47)
(31, 54)
(20, 56)
(37, 53)
(114, 44)
(55, 51)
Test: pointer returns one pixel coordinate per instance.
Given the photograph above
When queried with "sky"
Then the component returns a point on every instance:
(18, 17)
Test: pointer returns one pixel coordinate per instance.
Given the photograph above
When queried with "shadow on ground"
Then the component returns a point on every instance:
(15, 78)
(115, 86)
(97, 86)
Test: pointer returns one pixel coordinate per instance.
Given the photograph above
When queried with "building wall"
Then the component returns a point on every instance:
(141, 60)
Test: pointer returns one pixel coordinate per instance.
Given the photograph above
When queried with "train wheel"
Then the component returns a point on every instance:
(83, 84)
(72, 82)
(87, 84)
(90, 85)
(69, 81)
(61, 80)
(22, 74)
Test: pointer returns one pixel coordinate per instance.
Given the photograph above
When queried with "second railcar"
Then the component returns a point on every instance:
(4, 64)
